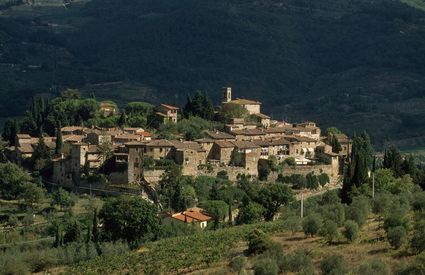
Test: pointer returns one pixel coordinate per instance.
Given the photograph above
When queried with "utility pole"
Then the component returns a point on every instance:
(373, 176)
(302, 204)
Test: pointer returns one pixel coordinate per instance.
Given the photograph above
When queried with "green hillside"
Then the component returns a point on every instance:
(355, 64)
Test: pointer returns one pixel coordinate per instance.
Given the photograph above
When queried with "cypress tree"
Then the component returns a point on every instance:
(95, 229)
(358, 168)
(59, 140)
(122, 120)
(393, 160)
(230, 212)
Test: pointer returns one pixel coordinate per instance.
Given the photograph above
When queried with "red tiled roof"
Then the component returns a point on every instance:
(170, 107)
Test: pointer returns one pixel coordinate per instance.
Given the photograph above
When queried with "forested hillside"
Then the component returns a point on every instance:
(356, 64)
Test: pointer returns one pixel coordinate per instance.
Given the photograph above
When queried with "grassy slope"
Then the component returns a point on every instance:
(354, 64)
(194, 254)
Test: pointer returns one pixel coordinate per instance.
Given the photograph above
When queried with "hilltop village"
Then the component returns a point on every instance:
(244, 146)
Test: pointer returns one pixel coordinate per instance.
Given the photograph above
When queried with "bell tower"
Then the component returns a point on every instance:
(226, 95)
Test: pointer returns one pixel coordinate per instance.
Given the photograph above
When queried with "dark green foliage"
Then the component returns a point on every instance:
(358, 210)
(63, 198)
(333, 265)
(266, 266)
(32, 194)
(73, 231)
(59, 141)
(329, 230)
(10, 129)
(258, 242)
(300, 261)
(250, 213)
(418, 240)
(129, 218)
(312, 181)
(336, 146)
(397, 217)
(200, 105)
(170, 188)
(218, 210)
(397, 236)
(373, 267)
(238, 264)
(351, 230)
(414, 268)
(361, 161)
(298, 181)
(272, 197)
(293, 223)
(382, 204)
(236, 158)
(312, 224)
(12, 179)
(418, 203)
(393, 160)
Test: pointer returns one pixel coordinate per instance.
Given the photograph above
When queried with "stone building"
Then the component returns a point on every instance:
(189, 155)
(280, 148)
(252, 106)
(251, 155)
(221, 152)
(249, 134)
(167, 113)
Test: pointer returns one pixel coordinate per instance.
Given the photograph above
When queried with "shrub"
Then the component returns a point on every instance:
(334, 265)
(351, 230)
(312, 224)
(238, 264)
(374, 267)
(329, 230)
(266, 267)
(258, 242)
(418, 239)
(415, 268)
(358, 210)
(395, 219)
(397, 236)
(293, 223)
(300, 261)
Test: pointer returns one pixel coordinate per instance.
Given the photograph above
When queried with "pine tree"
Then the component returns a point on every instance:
(336, 146)
(59, 140)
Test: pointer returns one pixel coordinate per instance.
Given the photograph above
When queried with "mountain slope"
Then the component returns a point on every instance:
(356, 64)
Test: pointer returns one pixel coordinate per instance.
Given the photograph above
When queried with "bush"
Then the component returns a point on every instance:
(397, 236)
(329, 230)
(417, 267)
(334, 265)
(374, 267)
(266, 267)
(238, 264)
(293, 223)
(258, 242)
(299, 262)
(395, 219)
(418, 239)
(358, 210)
(351, 230)
(312, 224)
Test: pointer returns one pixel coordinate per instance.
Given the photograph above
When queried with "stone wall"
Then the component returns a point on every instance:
(331, 170)
(153, 176)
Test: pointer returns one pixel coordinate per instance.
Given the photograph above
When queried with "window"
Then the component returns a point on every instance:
(160, 150)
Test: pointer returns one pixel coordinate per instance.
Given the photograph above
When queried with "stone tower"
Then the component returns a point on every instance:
(226, 94)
